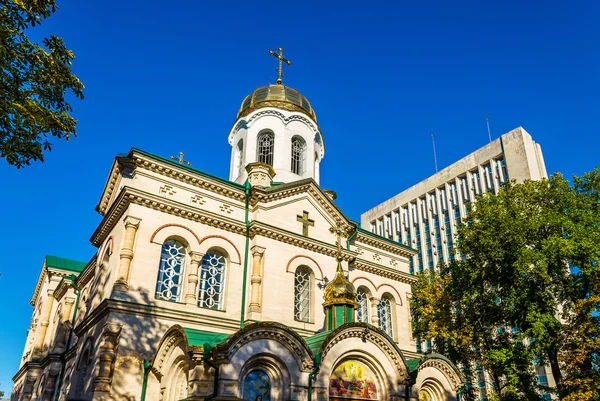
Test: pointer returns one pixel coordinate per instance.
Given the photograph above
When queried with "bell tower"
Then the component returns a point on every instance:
(276, 125)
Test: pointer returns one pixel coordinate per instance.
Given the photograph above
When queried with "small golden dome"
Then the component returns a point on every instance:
(279, 96)
(340, 291)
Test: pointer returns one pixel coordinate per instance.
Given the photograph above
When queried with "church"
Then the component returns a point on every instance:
(253, 288)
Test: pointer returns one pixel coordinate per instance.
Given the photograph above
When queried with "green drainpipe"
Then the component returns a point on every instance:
(147, 366)
(312, 374)
(242, 315)
(76, 306)
(351, 237)
(207, 361)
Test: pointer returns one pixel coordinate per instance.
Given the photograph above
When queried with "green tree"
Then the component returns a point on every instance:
(34, 82)
(530, 254)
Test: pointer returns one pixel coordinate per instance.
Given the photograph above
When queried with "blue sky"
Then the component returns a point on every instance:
(170, 76)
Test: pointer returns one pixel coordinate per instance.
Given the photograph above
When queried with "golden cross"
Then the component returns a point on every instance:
(180, 159)
(305, 223)
(281, 61)
(339, 232)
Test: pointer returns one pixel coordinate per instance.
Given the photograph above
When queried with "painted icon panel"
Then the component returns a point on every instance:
(353, 380)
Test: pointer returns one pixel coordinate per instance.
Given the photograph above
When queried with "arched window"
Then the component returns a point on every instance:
(212, 281)
(302, 283)
(266, 142)
(170, 271)
(384, 312)
(362, 311)
(238, 160)
(257, 383)
(298, 155)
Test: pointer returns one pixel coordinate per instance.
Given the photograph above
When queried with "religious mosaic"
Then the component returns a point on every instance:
(352, 380)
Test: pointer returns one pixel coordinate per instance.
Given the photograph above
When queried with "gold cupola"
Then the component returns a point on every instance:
(277, 96)
(340, 299)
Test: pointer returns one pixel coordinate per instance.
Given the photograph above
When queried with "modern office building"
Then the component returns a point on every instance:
(425, 216)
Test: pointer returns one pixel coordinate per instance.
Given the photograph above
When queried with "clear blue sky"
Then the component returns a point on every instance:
(170, 76)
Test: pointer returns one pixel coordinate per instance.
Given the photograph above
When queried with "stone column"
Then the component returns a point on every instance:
(106, 357)
(50, 383)
(191, 297)
(374, 316)
(44, 322)
(131, 226)
(256, 278)
(60, 343)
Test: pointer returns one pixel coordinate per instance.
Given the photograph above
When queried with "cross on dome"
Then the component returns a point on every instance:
(281, 60)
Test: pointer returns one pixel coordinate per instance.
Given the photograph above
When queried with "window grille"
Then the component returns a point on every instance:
(266, 142)
(212, 281)
(298, 155)
(170, 271)
(362, 311)
(302, 294)
(384, 312)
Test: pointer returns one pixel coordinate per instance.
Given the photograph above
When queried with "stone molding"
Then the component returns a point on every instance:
(244, 121)
(382, 271)
(445, 368)
(173, 225)
(385, 245)
(107, 356)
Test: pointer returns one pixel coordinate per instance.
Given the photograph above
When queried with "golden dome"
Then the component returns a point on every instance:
(279, 96)
(340, 291)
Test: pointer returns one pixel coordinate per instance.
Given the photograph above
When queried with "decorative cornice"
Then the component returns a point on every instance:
(88, 273)
(379, 270)
(131, 195)
(385, 244)
(295, 116)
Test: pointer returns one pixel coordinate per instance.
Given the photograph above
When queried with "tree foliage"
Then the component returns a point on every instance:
(34, 82)
(525, 290)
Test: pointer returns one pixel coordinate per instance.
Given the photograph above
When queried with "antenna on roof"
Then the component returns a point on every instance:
(434, 155)
(487, 121)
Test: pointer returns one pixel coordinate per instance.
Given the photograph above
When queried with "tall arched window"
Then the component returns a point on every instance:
(298, 155)
(238, 160)
(212, 281)
(384, 312)
(265, 144)
(362, 311)
(302, 283)
(169, 283)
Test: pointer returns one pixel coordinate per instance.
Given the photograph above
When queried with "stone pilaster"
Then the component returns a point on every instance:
(40, 335)
(50, 384)
(126, 255)
(60, 342)
(256, 279)
(374, 316)
(191, 297)
(106, 357)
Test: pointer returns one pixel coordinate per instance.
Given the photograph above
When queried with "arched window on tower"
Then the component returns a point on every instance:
(212, 281)
(384, 312)
(362, 310)
(169, 283)
(302, 285)
(265, 144)
(298, 155)
(238, 161)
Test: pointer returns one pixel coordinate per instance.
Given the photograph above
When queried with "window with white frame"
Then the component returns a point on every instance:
(362, 310)
(384, 313)
(298, 155)
(302, 284)
(169, 283)
(265, 146)
(212, 281)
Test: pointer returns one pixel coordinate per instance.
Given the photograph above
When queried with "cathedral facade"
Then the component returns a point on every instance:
(253, 288)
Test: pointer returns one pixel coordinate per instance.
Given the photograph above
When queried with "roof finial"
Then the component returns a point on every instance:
(281, 60)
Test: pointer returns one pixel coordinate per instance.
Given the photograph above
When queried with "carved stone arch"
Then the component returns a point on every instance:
(363, 335)
(437, 373)
(395, 295)
(223, 244)
(365, 282)
(177, 232)
(108, 247)
(277, 333)
(303, 260)
(275, 368)
(172, 337)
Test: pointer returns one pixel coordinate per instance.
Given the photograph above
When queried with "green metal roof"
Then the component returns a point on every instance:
(201, 337)
(65, 264)
(185, 167)
(412, 363)
(314, 342)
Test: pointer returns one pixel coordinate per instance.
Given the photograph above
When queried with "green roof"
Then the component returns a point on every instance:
(186, 167)
(201, 337)
(64, 264)
(314, 342)
(412, 363)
